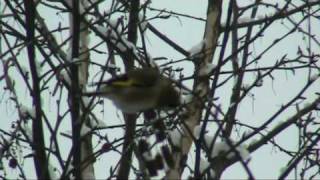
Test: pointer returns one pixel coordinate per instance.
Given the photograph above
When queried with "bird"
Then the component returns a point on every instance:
(139, 90)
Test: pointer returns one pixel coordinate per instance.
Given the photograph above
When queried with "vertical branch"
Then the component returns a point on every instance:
(87, 170)
(200, 87)
(133, 29)
(74, 91)
(127, 149)
(40, 160)
(210, 93)
(130, 119)
(234, 39)
(239, 75)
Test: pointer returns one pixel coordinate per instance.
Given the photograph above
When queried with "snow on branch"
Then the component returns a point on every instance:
(97, 123)
(26, 128)
(85, 130)
(207, 70)
(204, 166)
(27, 112)
(64, 76)
(83, 5)
(143, 22)
(176, 137)
(314, 77)
(282, 13)
(197, 49)
(119, 41)
(223, 147)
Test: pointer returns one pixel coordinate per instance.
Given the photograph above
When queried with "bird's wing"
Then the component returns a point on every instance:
(136, 77)
(121, 81)
(144, 77)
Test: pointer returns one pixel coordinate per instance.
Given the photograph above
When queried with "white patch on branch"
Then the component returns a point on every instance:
(53, 146)
(86, 101)
(208, 139)
(97, 123)
(219, 148)
(207, 69)
(27, 129)
(147, 156)
(246, 87)
(248, 19)
(314, 77)
(244, 153)
(76, 60)
(119, 41)
(82, 6)
(197, 131)
(69, 54)
(64, 76)
(186, 99)
(27, 111)
(247, 132)
(223, 147)
(204, 165)
(143, 22)
(176, 137)
(85, 130)
(195, 51)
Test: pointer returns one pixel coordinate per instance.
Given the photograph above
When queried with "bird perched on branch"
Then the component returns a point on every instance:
(139, 90)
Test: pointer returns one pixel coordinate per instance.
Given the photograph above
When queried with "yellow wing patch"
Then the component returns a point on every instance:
(126, 83)
(123, 83)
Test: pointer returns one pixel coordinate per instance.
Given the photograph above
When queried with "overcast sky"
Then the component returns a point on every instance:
(266, 162)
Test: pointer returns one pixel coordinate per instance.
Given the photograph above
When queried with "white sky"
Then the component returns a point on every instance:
(266, 162)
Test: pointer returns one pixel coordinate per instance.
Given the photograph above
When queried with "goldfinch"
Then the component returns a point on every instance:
(139, 90)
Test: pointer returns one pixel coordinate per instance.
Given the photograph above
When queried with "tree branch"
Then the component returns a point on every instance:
(74, 91)
(130, 119)
(40, 159)
(200, 88)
